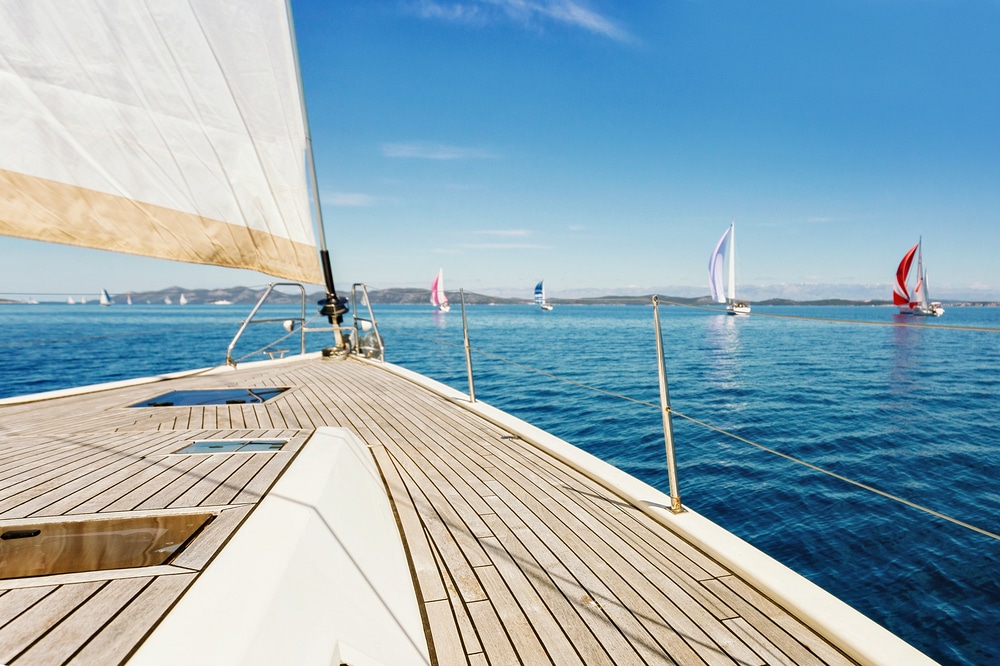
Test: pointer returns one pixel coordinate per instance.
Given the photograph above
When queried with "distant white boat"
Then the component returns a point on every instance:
(222, 301)
(128, 299)
(168, 301)
(734, 306)
(83, 301)
(540, 296)
(916, 302)
(105, 298)
(183, 300)
(438, 298)
(70, 301)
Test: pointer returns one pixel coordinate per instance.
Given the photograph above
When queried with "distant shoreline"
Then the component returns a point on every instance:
(248, 296)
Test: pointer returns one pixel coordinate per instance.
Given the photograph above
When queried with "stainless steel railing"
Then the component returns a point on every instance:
(290, 326)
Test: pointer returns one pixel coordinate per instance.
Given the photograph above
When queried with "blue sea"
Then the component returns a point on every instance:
(913, 411)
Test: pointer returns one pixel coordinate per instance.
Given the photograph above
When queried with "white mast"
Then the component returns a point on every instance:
(732, 261)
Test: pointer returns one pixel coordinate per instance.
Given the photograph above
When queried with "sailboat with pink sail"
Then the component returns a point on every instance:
(438, 298)
(915, 302)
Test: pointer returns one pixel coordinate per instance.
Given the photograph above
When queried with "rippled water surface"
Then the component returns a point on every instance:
(911, 411)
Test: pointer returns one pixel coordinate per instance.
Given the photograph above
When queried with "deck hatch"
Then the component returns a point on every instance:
(95, 544)
(204, 397)
(232, 446)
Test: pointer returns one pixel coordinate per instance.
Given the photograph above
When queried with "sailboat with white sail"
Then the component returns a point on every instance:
(726, 295)
(105, 298)
(439, 299)
(916, 301)
(183, 300)
(540, 300)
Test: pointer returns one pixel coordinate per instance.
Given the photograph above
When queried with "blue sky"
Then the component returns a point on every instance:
(604, 144)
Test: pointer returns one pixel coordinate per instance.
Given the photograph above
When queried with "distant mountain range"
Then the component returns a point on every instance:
(413, 296)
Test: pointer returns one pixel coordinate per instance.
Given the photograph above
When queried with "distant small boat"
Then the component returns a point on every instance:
(183, 300)
(222, 301)
(734, 306)
(916, 302)
(540, 296)
(105, 298)
(438, 298)
(70, 301)
(83, 301)
(128, 299)
(168, 301)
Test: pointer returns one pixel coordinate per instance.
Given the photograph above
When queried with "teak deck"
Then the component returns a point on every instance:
(516, 557)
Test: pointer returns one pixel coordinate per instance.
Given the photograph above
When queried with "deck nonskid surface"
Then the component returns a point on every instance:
(516, 557)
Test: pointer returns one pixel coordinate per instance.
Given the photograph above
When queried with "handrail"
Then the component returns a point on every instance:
(250, 320)
(366, 345)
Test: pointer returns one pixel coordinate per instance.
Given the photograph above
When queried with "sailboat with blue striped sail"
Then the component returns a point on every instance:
(540, 296)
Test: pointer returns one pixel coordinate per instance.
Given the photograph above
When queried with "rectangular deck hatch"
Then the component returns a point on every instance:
(202, 397)
(232, 446)
(96, 544)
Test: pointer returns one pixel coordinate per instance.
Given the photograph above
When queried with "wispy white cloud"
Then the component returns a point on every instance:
(349, 199)
(504, 232)
(501, 246)
(435, 151)
(528, 13)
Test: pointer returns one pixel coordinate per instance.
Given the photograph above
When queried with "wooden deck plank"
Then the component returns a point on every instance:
(422, 561)
(73, 478)
(264, 479)
(208, 483)
(681, 588)
(519, 628)
(496, 643)
(766, 616)
(18, 634)
(536, 631)
(466, 629)
(15, 602)
(183, 482)
(443, 536)
(125, 631)
(60, 644)
(167, 471)
(515, 561)
(227, 491)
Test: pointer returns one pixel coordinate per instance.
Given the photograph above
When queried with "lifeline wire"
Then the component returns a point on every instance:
(117, 335)
(692, 419)
(898, 324)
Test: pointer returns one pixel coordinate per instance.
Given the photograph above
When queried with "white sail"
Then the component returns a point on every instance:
(715, 269)
(164, 128)
(920, 291)
(731, 292)
(105, 298)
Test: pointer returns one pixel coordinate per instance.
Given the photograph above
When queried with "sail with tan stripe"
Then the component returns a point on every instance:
(163, 128)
